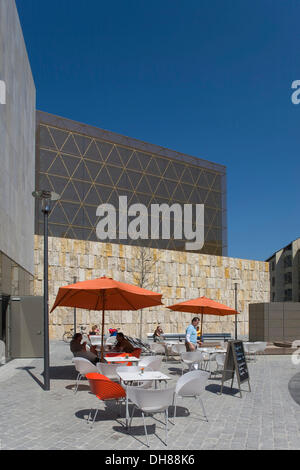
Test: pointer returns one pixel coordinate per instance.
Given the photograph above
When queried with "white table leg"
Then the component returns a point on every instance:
(127, 411)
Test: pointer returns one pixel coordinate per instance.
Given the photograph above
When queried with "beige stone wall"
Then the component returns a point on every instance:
(177, 275)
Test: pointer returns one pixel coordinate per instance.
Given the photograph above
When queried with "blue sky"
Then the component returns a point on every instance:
(211, 78)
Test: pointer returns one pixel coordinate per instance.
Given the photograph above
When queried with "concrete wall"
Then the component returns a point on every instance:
(275, 321)
(17, 142)
(178, 276)
(14, 280)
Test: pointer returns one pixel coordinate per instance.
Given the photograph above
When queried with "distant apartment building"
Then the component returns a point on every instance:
(285, 273)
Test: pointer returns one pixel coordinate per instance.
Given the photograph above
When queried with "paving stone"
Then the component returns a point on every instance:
(30, 418)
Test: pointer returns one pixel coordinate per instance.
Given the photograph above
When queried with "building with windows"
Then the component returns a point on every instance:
(285, 273)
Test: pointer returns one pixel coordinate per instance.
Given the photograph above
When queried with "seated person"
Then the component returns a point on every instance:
(79, 350)
(123, 345)
(113, 331)
(157, 335)
(94, 330)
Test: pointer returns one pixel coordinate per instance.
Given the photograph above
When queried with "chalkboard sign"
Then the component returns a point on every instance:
(242, 367)
(235, 363)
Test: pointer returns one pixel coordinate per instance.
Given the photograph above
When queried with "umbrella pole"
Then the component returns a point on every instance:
(201, 328)
(102, 330)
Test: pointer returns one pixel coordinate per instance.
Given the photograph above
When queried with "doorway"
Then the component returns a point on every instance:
(4, 322)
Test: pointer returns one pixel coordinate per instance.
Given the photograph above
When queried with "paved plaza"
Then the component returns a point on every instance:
(266, 418)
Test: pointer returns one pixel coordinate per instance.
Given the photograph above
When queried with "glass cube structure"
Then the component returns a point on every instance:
(88, 166)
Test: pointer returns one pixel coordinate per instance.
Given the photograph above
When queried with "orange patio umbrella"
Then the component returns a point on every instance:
(203, 306)
(103, 294)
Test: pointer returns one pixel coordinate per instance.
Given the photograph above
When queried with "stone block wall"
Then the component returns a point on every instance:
(177, 275)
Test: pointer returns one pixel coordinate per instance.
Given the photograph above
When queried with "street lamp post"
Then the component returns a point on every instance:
(235, 299)
(46, 197)
(75, 326)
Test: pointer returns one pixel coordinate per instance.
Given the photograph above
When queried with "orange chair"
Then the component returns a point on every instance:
(104, 389)
(136, 352)
(113, 354)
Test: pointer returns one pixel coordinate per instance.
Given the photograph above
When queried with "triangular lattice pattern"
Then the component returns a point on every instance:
(87, 172)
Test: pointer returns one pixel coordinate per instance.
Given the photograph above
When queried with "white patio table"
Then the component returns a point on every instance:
(129, 377)
(123, 359)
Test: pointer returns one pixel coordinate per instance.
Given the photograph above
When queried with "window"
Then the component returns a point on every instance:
(288, 295)
(288, 278)
(273, 281)
(288, 261)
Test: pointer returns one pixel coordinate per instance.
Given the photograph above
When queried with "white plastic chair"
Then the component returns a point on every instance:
(207, 359)
(150, 362)
(191, 358)
(2, 352)
(250, 349)
(220, 360)
(261, 346)
(128, 369)
(178, 349)
(95, 340)
(159, 348)
(150, 402)
(109, 370)
(190, 385)
(111, 340)
(83, 366)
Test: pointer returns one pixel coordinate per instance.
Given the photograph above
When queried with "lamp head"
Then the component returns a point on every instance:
(42, 194)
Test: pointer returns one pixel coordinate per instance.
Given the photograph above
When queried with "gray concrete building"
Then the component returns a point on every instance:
(17, 157)
(285, 273)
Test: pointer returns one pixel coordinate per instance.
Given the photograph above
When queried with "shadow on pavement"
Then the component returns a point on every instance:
(138, 430)
(216, 388)
(34, 377)
(81, 387)
(67, 372)
(174, 371)
(110, 413)
(294, 388)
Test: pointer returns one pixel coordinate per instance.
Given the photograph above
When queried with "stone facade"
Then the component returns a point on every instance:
(177, 275)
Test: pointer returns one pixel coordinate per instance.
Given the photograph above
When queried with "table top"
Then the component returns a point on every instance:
(138, 377)
(174, 342)
(212, 350)
(121, 359)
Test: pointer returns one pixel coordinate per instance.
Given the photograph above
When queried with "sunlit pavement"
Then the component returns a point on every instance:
(268, 417)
